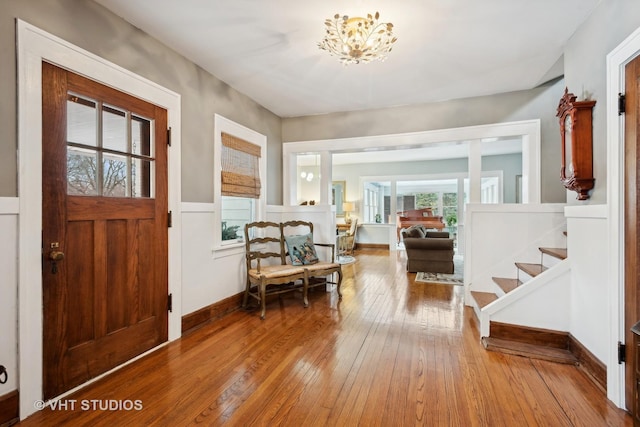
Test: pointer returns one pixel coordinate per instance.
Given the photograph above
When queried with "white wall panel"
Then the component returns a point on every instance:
(208, 276)
(9, 292)
(322, 217)
(588, 250)
(376, 233)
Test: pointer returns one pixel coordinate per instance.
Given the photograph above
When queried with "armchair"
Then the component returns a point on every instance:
(347, 240)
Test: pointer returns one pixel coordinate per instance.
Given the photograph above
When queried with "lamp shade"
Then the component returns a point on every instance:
(348, 206)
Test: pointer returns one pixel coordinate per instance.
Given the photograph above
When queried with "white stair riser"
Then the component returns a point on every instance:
(524, 277)
(498, 290)
(549, 260)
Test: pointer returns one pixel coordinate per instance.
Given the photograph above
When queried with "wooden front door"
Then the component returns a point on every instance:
(632, 216)
(104, 237)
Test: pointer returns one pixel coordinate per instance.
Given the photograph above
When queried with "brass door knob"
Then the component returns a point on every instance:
(56, 256)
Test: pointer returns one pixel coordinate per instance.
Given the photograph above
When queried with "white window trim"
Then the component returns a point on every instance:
(529, 130)
(394, 179)
(223, 125)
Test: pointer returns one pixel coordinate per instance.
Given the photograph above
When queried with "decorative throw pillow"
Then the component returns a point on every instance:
(301, 249)
(415, 231)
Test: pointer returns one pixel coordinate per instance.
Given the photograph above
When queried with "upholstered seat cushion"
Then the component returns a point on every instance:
(275, 271)
(320, 266)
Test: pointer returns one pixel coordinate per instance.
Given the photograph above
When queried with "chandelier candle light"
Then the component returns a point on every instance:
(358, 40)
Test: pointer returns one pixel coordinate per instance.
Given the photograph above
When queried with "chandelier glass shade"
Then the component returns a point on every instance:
(358, 40)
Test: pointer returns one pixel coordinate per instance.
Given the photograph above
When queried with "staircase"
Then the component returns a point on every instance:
(524, 271)
(524, 341)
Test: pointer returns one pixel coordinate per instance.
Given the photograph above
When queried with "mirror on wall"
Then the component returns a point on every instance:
(338, 191)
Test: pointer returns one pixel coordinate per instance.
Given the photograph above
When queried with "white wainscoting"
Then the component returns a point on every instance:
(208, 274)
(588, 237)
(211, 274)
(383, 234)
(322, 217)
(9, 291)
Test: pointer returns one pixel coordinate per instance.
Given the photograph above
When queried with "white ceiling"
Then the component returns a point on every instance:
(446, 49)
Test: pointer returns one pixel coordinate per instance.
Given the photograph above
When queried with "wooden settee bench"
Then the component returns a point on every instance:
(270, 269)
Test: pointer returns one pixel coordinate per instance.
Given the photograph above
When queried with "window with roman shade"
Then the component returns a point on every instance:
(239, 166)
(240, 175)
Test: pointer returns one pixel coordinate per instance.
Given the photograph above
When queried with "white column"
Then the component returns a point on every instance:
(475, 171)
(393, 208)
(326, 171)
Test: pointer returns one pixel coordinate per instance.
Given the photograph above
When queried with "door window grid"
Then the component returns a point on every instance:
(115, 145)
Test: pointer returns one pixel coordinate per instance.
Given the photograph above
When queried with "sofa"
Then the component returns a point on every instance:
(428, 251)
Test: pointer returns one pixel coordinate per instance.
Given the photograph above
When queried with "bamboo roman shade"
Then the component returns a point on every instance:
(240, 171)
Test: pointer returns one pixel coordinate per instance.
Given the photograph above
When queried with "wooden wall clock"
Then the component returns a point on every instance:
(576, 130)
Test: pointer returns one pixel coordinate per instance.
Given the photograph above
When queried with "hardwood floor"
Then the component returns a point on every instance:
(391, 353)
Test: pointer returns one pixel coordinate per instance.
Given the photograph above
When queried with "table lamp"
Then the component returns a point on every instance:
(347, 207)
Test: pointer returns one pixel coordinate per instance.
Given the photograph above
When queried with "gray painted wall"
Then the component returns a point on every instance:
(97, 30)
(585, 74)
(92, 27)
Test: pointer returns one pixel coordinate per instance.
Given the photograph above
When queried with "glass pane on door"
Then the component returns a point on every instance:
(114, 176)
(81, 172)
(114, 162)
(81, 121)
(114, 129)
(141, 178)
(141, 136)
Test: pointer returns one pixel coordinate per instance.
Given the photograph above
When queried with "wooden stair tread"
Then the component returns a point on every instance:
(531, 269)
(560, 253)
(506, 284)
(483, 298)
(532, 351)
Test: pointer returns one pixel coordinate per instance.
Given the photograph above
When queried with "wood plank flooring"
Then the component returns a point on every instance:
(393, 352)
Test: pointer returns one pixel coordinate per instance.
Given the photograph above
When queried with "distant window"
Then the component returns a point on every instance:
(376, 207)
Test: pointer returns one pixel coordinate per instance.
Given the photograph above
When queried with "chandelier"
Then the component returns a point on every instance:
(358, 40)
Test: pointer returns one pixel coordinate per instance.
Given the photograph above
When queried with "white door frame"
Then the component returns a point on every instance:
(35, 46)
(617, 59)
(528, 129)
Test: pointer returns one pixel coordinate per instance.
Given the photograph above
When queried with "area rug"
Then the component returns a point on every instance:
(455, 279)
